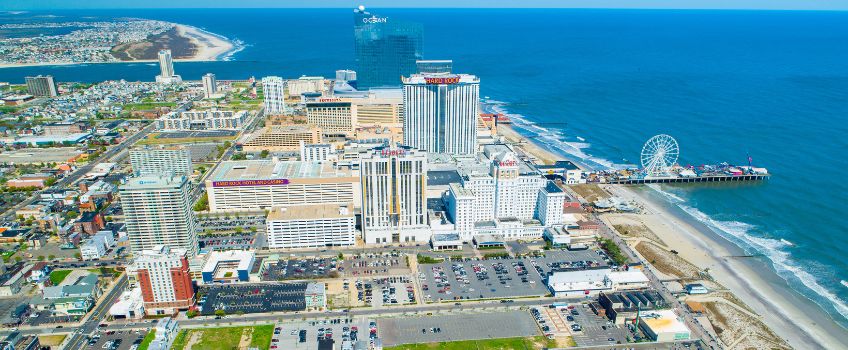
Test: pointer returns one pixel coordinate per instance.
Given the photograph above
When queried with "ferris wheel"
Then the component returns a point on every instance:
(659, 154)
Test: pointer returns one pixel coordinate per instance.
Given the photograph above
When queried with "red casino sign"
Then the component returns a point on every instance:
(442, 80)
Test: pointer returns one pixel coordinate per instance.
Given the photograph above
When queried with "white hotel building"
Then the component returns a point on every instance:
(263, 184)
(311, 226)
(274, 91)
(155, 160)
(202, 120)
(509, 197)
(440, 112)
(157, 211)
(394, 195)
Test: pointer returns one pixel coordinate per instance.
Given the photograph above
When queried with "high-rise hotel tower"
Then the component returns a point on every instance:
(440, 112)
(384, 48)
(158, 212)
(166, 69)
(274, 90)
(394, 195)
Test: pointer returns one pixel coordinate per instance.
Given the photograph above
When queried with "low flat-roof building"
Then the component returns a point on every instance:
(664, 326)
(316, 296)
(130, 305)
(228, 266)
(623, 307)
(626, 280)
(578, 283)
(446, 241)
(489, 241)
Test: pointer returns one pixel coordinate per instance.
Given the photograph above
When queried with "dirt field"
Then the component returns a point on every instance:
(667, 262)
(590, 192)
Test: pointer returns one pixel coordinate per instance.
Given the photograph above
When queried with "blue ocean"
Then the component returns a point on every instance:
(597, 84)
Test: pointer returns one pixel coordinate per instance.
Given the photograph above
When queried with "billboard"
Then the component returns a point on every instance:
(238, 183)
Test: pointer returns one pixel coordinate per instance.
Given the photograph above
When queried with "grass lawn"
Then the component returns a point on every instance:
(484, 344)
(157, 141)
(145, 343)
(104, 271)
(51, 340)
(58, 276)
(262, 336)
(147, 105)
(179, 341)
(224, 338)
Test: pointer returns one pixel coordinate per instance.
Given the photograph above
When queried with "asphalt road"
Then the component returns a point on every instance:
(697, 329)
(101, 310)
(76, 175)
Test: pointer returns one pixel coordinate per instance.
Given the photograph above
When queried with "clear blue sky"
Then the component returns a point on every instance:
(664, 4)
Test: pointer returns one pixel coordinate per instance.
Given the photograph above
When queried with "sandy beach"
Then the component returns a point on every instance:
(796, 319)
(759, 295)
(208, 47)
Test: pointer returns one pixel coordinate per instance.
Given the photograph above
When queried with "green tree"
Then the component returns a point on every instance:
(264, 153)
(220, 313)
(78, 256)
(51, 257)
(40, 258)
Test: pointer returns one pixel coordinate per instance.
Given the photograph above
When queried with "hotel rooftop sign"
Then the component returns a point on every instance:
(375, 19)
(238, 183)
(441, 80)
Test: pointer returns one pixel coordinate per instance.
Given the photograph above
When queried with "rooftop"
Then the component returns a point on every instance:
(551, 187)
(445, 237)
(243, 257)
(311, 211)
(665, 321)
(154, 181)
(443, 177)
(269, 169)
(578, 276)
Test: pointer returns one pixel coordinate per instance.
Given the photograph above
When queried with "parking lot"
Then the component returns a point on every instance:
(586, 328)
(454, 327)
(397, 290)
(479, 279)
(388, 263)
(202, 151)
(115, 340)
(498, 278)
(289, 335)
(306, 268)
(195, 134)
(244, 241)
(253, 298)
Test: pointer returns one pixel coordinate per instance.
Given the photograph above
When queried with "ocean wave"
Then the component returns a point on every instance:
(238, 46)
(668, 195)
(735, 231)
(774, 250)
(553, 138)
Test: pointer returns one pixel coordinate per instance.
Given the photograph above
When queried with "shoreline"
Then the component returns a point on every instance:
(210, 47)
(788, 313)
(754, 281)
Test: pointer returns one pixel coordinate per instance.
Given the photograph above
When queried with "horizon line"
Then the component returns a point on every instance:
(439, 8)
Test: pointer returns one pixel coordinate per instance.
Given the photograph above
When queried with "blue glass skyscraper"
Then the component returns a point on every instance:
(385, 49)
